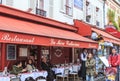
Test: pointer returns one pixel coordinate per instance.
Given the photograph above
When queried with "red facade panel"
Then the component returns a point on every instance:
(83, 28)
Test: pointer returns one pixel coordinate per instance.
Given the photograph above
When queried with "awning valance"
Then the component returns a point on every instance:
(106, 36)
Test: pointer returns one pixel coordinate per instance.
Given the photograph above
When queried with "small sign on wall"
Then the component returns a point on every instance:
(11, 52)
(23, 52)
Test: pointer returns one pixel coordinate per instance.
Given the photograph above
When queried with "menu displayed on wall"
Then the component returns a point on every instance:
(11, 52)
(23, 52)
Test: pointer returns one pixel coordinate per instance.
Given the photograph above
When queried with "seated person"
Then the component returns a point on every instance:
(17, 68)
(47, 66)
(30, 65)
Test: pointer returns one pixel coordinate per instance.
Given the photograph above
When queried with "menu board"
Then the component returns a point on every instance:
(23, 52)
(104, 60)
(11, 52)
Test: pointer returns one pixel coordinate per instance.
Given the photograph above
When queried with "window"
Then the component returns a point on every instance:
(51, 8)
(97, 23)
(40, 12)
(88, 17)
(67, 7)
(88, 12)
(32, 4)
(97, 12)
(9, 2)
(0, 1)
(40, 8)
(78, 4)
(41, 4)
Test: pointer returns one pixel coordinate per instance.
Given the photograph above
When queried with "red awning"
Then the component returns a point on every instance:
(83, 28)
(113, 31)
(36, 34)
(29, 16)
(106, 36)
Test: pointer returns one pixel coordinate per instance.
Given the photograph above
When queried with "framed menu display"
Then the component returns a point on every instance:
(11, 52)
(23, 52)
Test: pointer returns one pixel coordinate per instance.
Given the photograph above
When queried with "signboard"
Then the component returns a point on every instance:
(78, 4)
(104, 60)
(16, 38)
(23, 52)
(11, 52)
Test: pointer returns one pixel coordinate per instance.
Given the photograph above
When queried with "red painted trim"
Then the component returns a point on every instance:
(3, 53)
(26, 15)
(113, 31)
(83, 28)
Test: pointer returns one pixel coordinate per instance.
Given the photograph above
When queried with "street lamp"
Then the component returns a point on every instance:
(104, 13)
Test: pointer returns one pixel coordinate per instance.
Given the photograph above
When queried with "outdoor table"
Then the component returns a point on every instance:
(77, 65)
(58, 70)
(34, 75)
(61, 69)
(6, 78)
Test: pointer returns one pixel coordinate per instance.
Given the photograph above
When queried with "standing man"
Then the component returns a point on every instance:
(83, 57)
(114, 62)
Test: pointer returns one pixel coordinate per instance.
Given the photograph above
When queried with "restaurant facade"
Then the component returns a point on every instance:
(24, 35)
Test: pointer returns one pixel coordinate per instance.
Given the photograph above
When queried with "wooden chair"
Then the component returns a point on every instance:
(63, 76)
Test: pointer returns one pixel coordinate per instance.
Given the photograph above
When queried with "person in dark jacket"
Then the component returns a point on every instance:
(47, 66)
(83, 57)
(24, 64)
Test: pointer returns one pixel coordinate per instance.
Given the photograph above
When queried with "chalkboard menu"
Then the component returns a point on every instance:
(11, 52)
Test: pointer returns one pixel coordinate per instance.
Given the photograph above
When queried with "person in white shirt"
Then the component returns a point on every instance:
(83, 57)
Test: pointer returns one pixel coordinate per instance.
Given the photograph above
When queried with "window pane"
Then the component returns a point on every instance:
(41, 4)
(0, 1)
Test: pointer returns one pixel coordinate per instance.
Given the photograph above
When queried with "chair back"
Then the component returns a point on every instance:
(62, 64)
(66, 71)
(75, 68)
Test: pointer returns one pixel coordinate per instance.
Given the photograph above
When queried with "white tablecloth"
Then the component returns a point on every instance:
(61, 69)
(6, 78)
(75, 68)
(58, 70)
(34, 75)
